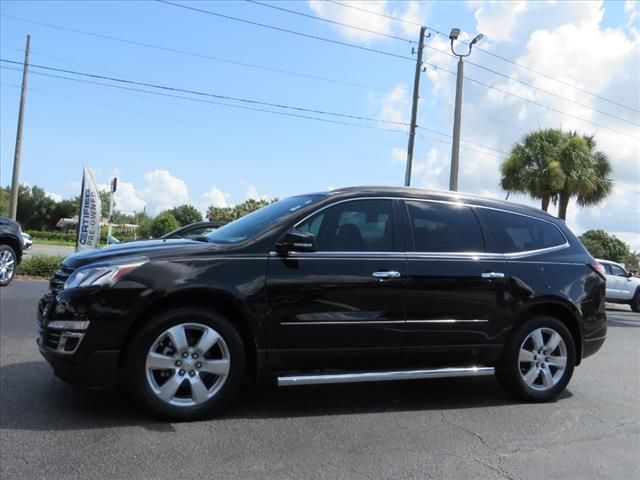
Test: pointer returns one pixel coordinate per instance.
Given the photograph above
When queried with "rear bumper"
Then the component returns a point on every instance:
(592, 345)
(100, 369)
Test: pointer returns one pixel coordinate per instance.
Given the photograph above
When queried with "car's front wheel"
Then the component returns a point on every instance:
(635, 301)
(8, 263)
(538, 360)
(186, 363)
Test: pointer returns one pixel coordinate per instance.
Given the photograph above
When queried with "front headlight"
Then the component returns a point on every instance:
(103, 274)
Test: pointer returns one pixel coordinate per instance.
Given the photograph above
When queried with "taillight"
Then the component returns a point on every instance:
(599, 269)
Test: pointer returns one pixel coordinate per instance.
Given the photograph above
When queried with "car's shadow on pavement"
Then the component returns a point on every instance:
(31, 398)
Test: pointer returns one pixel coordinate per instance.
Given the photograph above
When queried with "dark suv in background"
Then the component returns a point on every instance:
(359, 284)
(11, 246)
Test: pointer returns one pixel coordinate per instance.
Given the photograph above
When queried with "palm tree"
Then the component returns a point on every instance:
(533, 167)
(554, 166)
(586, 170)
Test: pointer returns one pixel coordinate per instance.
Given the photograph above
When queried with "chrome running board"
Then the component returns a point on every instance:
(383, 376)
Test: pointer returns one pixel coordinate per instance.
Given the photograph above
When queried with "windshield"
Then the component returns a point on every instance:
(254, 223)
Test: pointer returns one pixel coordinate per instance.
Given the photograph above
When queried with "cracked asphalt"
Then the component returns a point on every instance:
(448, 428)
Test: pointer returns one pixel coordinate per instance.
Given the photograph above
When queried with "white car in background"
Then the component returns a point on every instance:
(622, 286)
(27, 241)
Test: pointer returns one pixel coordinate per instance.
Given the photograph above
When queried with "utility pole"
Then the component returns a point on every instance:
(114, 186)
(414, 108)
(457, 117)
(15, 180)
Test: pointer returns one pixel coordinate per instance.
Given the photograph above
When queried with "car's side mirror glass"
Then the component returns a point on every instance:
(296, 241)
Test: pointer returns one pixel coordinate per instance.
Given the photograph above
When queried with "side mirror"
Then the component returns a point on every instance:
(629, 275)
(296, 241)
(201, 239)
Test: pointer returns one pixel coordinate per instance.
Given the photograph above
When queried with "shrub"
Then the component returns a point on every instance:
(163, 223)
(39, 265)
(59, 236)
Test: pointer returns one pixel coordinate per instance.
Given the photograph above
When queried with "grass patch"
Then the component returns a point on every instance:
(41, 266)
(57, 243)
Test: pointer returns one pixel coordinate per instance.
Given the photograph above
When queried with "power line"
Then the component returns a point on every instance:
(286, 30)
(334, 22)
(197, 55)
(529, 85)
(495, 55)
(533, 102)
(214, 95)
(201, 100)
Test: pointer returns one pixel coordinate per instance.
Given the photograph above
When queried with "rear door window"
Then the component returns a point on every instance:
(519, 233)
(440, 227)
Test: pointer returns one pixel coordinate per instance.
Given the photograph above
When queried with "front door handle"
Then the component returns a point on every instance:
(386, 274)
(492, 275)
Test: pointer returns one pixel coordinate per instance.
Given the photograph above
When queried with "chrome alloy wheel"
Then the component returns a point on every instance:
(187, 364)
(7, 266)
(542, 359)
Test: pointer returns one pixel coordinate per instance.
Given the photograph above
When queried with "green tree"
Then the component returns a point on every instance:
(34, 208)
(186, 214)
(608, 247)
(229, 214)
(533, 167)
(163, 223)
(555, 166)
(4, 201)
(586, 170)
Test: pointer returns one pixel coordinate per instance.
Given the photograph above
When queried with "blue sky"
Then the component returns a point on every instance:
(168, 151)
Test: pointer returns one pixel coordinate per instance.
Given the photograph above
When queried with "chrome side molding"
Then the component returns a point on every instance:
(358, 377)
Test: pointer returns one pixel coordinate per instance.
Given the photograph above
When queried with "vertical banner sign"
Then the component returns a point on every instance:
(90, 213)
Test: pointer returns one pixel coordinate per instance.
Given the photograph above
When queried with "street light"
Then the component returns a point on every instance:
(455, 147)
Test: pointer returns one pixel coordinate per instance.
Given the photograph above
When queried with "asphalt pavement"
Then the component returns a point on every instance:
(440, 429)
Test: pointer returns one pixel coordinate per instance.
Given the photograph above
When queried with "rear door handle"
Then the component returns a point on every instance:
(386, 274)
(492, 275)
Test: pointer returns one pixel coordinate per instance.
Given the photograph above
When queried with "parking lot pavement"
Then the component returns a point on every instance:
(42, 249)
(454, 429)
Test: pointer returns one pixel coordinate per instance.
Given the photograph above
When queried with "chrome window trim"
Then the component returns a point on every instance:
(460, 255)
(449, 321)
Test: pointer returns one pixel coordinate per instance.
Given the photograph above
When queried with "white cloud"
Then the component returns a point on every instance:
(163, 191)
(394, 107)
(127, 199)
(398, 156)
(630, 238)
(252, 193)
(54, 196)
(497, 20)
(215, 197)
(430, 173)
(411, 11)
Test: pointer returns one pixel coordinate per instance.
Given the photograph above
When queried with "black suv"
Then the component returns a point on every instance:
(359, 284)
(11, 245)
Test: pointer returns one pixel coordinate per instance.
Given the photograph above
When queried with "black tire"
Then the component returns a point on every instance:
(635, 302)
(4, 251)
(510, 372)
(136, 372)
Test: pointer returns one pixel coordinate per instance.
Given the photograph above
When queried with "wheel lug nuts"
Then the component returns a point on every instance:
(192, 373)
(199, 365)
(185, 355)
(181, 372)
(178, 363)
(195, 355)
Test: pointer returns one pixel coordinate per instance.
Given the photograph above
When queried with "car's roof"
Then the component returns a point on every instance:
(599, 260)
(411, 192)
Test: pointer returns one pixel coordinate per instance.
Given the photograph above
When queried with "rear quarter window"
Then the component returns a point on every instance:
(518, 233)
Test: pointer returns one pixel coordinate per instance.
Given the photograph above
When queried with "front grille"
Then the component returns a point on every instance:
(61, 341)
(59, 277)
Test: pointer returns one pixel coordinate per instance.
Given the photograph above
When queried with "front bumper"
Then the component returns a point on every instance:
(61, 343)
(100, 369)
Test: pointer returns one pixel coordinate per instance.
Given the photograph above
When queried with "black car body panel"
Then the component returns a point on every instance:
(322, 309)
(10, 234)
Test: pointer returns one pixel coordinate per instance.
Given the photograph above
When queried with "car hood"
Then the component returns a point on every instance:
(142, 248)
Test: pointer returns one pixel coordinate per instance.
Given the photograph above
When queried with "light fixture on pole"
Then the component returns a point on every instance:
(455, 147)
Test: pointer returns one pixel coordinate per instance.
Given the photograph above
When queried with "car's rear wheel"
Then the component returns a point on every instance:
(8, 263)
(186, 363)
(538, 360)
